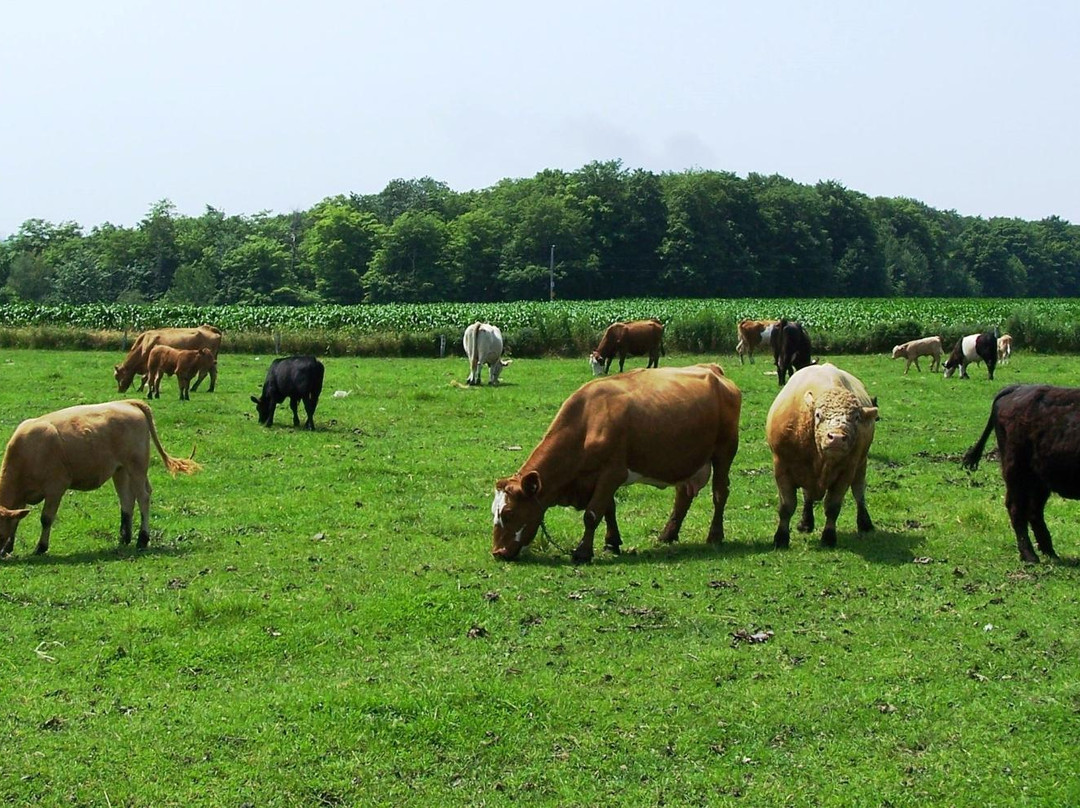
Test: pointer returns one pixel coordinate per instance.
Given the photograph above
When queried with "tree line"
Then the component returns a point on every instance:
(602, 231)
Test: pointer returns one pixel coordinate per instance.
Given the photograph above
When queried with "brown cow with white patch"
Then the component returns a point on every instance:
(664, 427)
(634, 338)
(913, 349)
(751, 334)
(819, 429)
(205, 336)
(81, 448)
(166, 361)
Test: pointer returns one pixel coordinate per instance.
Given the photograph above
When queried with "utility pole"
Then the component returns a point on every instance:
(551, 273)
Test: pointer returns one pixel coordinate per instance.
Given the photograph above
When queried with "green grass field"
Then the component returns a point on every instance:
(318, 619)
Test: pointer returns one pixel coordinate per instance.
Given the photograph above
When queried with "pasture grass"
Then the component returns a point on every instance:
(318, 619)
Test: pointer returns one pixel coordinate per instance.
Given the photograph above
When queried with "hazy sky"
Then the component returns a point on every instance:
(108, 107)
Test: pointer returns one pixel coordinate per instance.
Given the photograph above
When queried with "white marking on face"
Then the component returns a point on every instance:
(517, 536)
(497, 506)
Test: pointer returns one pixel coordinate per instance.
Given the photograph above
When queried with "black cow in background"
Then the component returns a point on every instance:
(791, 349)
(1038, 439)
(297, 378)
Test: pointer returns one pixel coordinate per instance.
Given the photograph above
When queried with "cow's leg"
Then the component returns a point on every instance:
(721, 487)
(603, 498)
(310, 403)
(141, 489)
(916, 361)
(612, 539)
(935, 363)
(198, 379)
(834, 500)
(1036, 506)
(126, 493)
(806, 521)
(739, 348)
(858, 491)
(963, 370)
(48, 516)
(990, 365)
(622, 361)
(1016, 502)
(785, 486)
(294, 402)
(683, 499)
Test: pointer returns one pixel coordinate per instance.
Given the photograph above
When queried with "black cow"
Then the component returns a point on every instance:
(973, 348)
(791, 349)
(1038, 438)
(295, 378)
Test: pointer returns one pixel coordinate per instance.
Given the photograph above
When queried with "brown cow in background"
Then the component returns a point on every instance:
(634, 338)
(753, 333)
(166, 361)
(205, 336)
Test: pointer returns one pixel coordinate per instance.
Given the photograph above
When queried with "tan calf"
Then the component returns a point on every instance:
(81, 448)
(913, 349)
(166, 361)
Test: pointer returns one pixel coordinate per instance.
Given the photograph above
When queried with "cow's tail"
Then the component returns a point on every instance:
(973, 455)
(173, 464)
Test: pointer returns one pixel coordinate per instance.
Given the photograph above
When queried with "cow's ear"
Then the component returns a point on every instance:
(869, 414)
(254, 400)
(16, 514)
(530, 484)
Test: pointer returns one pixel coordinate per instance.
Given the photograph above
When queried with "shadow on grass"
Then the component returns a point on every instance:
(880, 546)
(105, 554)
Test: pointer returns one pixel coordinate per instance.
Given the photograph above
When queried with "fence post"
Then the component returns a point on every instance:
(442, 346)
(277, 342)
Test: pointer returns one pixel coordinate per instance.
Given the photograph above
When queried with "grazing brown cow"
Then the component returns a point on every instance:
(205, 336)
(663, 427)
(913, 349)
(753, 333)
(80, 448)
(166, 361)
(1038, 440)
(635, 338)
(819, 429)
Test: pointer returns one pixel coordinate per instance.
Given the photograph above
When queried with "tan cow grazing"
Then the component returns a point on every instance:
(1004, 348)
(166, 361)
(751, 334)
(665, 427)
(205, 336)
(634, 338)
(912, 350)
(819, 429)
(80, 448)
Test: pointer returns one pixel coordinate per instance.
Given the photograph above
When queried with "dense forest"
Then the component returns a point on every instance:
(606, 231)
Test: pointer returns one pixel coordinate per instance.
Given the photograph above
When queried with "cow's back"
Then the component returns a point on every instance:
(294, 376)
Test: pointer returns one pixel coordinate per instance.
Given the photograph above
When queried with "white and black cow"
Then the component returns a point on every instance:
(483, 345)
(297, 378)
(973, 348)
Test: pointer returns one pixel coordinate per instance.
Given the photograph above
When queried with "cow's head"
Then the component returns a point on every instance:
(596, 362)
(950, 367)
(897, 351)
(517, 513)
(496, 368)
(263, 408)
(9, 523)
(123, 377)
(837, 421)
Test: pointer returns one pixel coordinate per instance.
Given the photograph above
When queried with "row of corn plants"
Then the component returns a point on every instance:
(559, 327)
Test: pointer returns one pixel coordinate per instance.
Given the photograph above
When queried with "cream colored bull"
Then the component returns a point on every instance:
(819, 429)
(81, 448)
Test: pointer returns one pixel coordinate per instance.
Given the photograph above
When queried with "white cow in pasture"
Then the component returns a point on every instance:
(483, 345)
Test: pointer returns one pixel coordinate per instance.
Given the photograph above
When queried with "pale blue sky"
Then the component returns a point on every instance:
(248, 106)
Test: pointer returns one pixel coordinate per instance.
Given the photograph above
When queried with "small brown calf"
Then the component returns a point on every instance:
(185, 364)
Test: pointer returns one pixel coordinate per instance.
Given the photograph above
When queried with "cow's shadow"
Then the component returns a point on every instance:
(101, 555)
(878, 546)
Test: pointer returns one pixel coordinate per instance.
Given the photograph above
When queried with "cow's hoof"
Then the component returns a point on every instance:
(805, 527)
(614, 549)
(715, 538)
(143, 540)
(828, 537)
(580, 558)
(42, 549)
(865, 525)
(781, 540)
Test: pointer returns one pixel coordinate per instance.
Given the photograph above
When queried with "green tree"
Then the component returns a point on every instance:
(337, 250)
(253, 271)
(411, 264)
(474, 254)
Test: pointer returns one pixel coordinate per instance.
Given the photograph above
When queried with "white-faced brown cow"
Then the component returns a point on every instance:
(81, 448)
(185, 364)
(819, 429)
(205, 336)
(753, 333)
(913, 349)
(667, 427)
(483, 344)
(634, 338)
